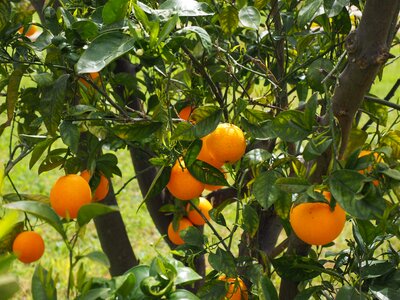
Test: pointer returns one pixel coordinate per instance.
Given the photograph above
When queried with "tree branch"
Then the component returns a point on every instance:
(367, 48)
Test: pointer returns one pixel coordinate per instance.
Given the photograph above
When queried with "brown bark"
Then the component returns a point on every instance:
(368, 50)
(114, 239)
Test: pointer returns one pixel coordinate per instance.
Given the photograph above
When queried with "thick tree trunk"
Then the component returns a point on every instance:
(368, 49)
(114, 238)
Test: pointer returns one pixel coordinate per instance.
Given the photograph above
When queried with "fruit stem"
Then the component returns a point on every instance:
(210, 225)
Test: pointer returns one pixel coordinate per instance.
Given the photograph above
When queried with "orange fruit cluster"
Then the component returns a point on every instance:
(69, 194)
(28, 246)
(315, 223)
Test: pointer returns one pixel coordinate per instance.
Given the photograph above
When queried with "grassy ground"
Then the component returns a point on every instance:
(138, 223)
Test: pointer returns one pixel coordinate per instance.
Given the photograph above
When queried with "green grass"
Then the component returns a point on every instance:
(145, 239)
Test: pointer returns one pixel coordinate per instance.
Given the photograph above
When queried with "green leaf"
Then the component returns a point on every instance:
(207, 119)
(70, 135)
(141, 272)
(214, 290)
(103, 50)
(114, 11)
(167, 28)
(86, 29)
(138, 131)
(255, 157)
(12, 92)
(260, 4)
(290, 126)
(52, 103)
(262, 130)
(345, 186)
(310, 10)
(141, 16)
(99, 257)
(186, 275)
(158, 184)
(186, 8)
(349, 293)
(223, 261)
(267, 289)
(8, 283)
(39, 150)
(317, 71)
(392, 139)
(309, 292)
(250, 220)
(90, 211)
(316, 146)
(124, 285)
(95, 294)
(376, 268)
(265, 190)
(292, 184)
(206, 173)
(182, 294)
(356, 140)
(40, 210)
(229, 19)
(334, 7)
(43, 286)
(250, 17)
(192, 152)
(297, 268)
(192, 236)
(5, 13)
(202, 34)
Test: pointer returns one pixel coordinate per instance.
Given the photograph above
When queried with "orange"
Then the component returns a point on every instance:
(185, 113)
(95, 78)
(315, 223)
(204, 206)
(101, 191)
(378, 159)
(173, 235)
(182, 184)
(206, 156)
(68, 195)
(226, 143)
(30, 32)
(28, 246)
(237, 290)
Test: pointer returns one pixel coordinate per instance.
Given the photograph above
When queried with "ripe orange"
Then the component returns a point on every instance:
(315, 223)
(226, 143)
(182, 184)
(173, 235)
(102, 188)
(206, 156)
(204, 206)
(68, 194)
(378, 159)
(95, 78)
(237, 290)
(30, 32)
(185, 113)
(28, 246)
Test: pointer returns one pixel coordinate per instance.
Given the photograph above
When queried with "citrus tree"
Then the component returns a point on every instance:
(264, 106)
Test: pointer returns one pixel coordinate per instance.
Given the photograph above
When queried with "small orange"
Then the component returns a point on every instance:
(315, 223)
(204, 206)
(206, 156)
(185, 113)
(377, 158)
(173, 235)
(69, 194)
(28, 246)
(237, 290)
(226, 143)
(95, 78)
(182, 184)
(101, 191)
(32, 29)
